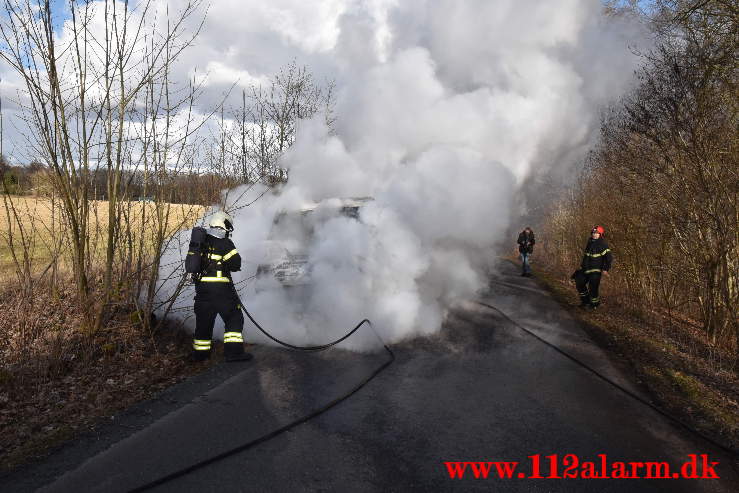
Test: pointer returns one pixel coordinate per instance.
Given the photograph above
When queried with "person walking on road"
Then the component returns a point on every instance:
(596, 261)
(211, 258)
(526, 242)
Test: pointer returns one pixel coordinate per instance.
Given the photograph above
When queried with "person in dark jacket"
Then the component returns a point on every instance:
(596, 262)
(215, 293)
(526, 243)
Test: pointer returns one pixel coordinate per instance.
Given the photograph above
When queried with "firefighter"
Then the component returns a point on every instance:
(215, 293)
(526, 242)
(596, 261)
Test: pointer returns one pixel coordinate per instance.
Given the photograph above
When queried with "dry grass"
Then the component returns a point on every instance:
(56, 382)
(55, 379)
(42, 228)
(690, 378)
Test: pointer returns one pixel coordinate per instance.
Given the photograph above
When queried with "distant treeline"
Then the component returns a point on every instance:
(36, 179)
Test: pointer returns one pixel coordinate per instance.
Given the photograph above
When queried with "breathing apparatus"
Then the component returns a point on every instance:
(220, 226)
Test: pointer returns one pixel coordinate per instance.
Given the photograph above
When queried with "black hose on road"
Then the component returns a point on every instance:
(321, 347)
(334, 402)
(728, 450)
(289, 426)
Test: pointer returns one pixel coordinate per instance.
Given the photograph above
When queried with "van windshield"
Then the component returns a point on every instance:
(293, 229)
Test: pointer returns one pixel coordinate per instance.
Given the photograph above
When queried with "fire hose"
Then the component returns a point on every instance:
(355, 389)
(730, 451)
(293, 424)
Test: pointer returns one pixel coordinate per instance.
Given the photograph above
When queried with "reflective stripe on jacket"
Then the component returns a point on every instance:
(597, 257)
(220, 258)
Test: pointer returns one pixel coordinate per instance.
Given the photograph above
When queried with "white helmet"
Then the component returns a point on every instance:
(221, 220)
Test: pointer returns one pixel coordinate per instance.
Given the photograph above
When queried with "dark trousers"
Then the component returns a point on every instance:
(229, 310)
(587, 288)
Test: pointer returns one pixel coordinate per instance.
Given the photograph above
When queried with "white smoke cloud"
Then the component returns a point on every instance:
(444, 109)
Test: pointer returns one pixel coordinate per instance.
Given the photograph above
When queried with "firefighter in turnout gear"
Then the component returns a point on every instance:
(596, 261)
(212, 257)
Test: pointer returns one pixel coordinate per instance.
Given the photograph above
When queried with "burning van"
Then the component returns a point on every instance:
(291, 236)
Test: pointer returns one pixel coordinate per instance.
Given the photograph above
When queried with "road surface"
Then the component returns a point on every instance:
(480, 390)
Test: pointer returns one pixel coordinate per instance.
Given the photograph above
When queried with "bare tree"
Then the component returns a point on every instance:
(251, 138)
(86, 82)
(666, 173)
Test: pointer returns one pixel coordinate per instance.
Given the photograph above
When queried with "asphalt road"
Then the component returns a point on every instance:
(480, 390)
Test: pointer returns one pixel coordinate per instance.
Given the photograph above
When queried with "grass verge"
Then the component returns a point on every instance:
(65, 383)
(671, 360)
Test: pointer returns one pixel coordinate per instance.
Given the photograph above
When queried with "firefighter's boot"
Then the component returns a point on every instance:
(234, 351)
(200, 350)
(197, 356)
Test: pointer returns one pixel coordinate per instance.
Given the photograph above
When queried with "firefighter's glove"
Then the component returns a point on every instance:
(198, 235)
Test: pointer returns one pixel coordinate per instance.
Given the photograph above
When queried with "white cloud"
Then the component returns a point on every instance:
(216, 73)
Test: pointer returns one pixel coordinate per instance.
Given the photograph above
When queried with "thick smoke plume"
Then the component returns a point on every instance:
(444, 108)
